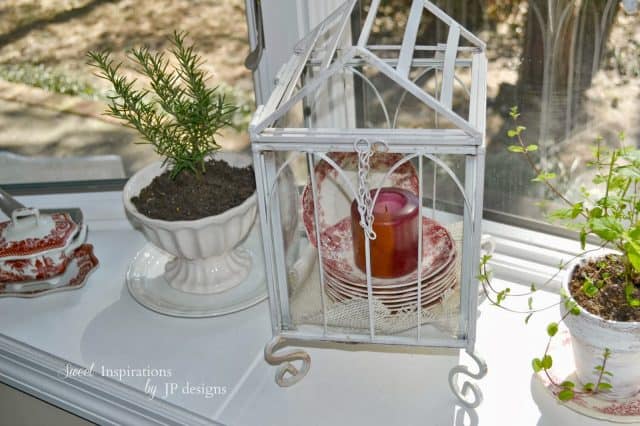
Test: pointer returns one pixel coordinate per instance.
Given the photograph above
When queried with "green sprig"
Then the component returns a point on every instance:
(178, 115)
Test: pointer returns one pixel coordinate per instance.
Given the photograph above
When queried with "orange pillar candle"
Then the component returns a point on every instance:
(394, 252)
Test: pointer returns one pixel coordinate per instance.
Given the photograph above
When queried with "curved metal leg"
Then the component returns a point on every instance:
(462, 393)
(287, 373)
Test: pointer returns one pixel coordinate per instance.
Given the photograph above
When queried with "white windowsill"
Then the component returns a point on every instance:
(102, 324)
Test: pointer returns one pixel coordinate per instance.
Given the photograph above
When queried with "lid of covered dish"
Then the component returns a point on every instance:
(29, 233)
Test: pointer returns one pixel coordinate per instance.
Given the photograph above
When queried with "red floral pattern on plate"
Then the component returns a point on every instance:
(63, 230)
(621, 411)
(328, 179)
(18, 265)
(31, 269)
(86, 261)
(81, 264)
(438, 251)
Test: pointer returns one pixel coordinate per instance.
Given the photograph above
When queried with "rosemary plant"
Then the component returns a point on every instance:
(178, 115)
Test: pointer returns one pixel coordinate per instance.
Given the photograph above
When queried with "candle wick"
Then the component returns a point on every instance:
(386, 209)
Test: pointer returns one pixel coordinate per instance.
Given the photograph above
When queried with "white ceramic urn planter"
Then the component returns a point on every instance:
(207, 258)
(590, 335)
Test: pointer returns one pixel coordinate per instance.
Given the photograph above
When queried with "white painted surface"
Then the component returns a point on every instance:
(102, 324)
(16, 168)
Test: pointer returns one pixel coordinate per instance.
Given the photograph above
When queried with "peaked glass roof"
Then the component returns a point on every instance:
(348, 74)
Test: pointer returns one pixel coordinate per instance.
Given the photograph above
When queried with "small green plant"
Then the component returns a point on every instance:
(609, 211)
(613, 214)
(179, 115)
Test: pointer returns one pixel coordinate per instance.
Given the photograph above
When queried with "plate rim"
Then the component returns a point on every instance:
(452, 258)
(443, 285)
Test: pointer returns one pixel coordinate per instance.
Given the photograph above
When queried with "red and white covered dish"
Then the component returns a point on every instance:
(36, 246)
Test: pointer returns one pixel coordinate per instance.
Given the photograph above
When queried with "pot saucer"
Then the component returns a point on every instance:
(81, 264)
(149, 288)
(618, 411)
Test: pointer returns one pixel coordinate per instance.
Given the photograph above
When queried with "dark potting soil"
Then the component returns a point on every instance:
(191, 197)
(610, 301)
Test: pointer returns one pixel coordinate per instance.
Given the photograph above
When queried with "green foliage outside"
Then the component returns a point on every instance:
(47, 78)
(56, 80)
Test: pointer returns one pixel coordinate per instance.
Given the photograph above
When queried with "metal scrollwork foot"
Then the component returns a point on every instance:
(287, 373)
(463, 393)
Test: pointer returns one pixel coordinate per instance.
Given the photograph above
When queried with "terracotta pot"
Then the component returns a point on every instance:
(207, 259)
(591, 335)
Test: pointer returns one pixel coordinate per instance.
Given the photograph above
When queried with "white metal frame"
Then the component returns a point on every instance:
(467, 140)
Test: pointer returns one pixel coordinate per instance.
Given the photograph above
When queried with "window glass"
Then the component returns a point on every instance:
(51, 122)
(573, 69)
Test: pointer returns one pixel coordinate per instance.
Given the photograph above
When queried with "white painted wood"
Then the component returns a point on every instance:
(280, 37)
(102, 323)
(97, 399)
(388, 387)
(284, 26)
(16, 168)
(261, 84)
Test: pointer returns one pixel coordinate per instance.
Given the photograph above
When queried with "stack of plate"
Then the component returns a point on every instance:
(345, 281)
(43, 253)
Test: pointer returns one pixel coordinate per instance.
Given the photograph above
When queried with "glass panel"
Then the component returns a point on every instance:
(572, 67)
(51, 104)
(324, 291)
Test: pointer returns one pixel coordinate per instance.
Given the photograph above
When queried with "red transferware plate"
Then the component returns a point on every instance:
(37, 247)
(80, 266)
(438, 251)
(53, 232)
(334, 194)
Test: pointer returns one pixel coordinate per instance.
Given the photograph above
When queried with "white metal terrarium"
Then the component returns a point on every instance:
(369, 161)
